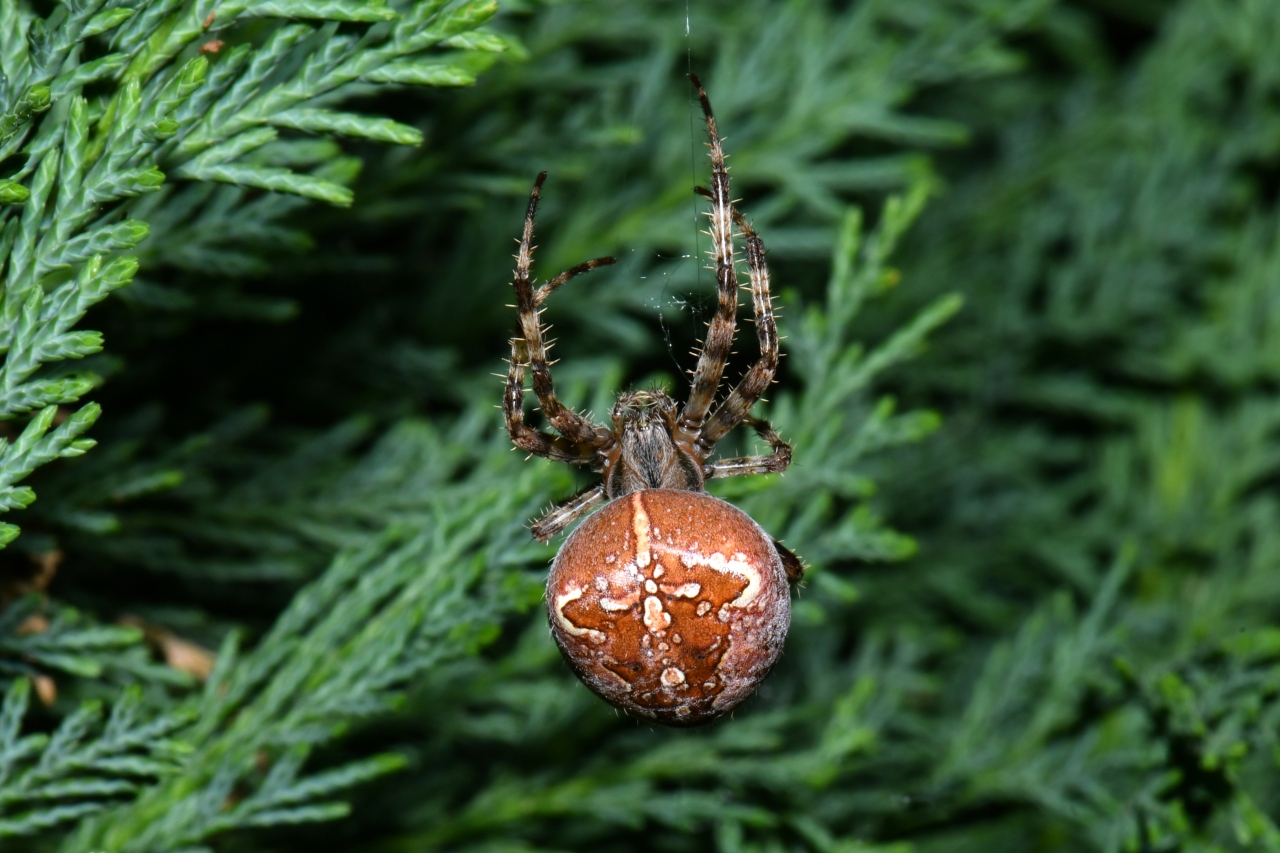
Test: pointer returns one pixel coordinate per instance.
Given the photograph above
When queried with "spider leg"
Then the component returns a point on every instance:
(737, 406)
(559, 517)
(540, 295)
(773, 463)
(567, 422)
(792, 564)
(524, 436)
(715, 349)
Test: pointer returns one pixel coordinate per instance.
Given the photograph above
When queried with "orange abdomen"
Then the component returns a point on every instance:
(672, 605)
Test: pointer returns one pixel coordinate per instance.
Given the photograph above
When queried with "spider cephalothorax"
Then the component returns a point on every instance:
(649, 454)
(667, 602)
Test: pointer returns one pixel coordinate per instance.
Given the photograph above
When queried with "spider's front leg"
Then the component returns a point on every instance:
(719, 340)
(737, 406)
(567, 422)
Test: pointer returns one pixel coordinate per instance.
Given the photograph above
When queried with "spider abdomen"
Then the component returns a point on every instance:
(672, 605)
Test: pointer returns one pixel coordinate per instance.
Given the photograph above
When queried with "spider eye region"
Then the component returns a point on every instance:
(672, 605)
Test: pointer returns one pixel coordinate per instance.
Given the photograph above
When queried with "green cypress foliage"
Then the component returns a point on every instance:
(88, 136)
(277, 592)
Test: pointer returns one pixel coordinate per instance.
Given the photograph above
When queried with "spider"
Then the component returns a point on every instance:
(667, 602)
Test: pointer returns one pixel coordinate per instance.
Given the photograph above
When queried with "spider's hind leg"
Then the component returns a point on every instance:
(559, 517)
(791, 564)
(772, 463)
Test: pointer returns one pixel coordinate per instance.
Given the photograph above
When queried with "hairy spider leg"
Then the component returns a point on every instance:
(772, 463)
(567, 422)
(526, 437)
(791, 564)
(559, 517)
(719, 340)
(737, 406)
(541, 294)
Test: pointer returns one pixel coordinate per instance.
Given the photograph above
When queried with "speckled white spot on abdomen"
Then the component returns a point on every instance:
(656, 619)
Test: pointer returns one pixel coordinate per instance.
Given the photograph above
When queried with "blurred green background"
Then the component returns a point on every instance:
(1044, 527)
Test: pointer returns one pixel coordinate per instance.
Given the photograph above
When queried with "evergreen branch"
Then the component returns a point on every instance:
(38, 446)
(349, 124)
(329, 10)
(420, 73)
(339, 62)
(43, 638)
(385, 611)
(36, 100)
(163, 118)
(275, 179)
(67, 643)
(82, 160)
(86, 765)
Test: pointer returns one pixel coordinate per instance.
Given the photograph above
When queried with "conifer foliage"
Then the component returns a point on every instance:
(105, 102)
(277, 592)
